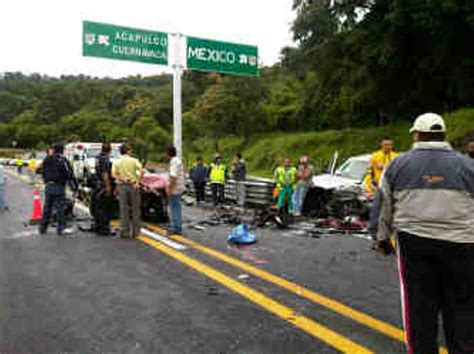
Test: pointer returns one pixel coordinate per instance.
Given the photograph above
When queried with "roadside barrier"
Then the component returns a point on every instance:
(258, 193)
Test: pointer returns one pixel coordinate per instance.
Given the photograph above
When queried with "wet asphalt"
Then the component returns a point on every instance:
(87, 294)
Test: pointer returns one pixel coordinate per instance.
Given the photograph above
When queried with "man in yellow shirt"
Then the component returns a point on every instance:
(128, 173)
(378, 161)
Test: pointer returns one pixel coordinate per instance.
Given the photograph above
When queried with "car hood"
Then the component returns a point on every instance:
(328, 181)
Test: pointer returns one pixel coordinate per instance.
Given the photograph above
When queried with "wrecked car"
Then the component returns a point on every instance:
(340, 192)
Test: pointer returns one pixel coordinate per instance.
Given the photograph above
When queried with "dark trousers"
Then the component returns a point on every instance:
(217, 193)
(101, 210)
(200, 189)
(55, 199)
(437, 277)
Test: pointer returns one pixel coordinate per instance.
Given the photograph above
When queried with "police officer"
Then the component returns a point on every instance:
(103, 193)
(427, 198)
(57, 172)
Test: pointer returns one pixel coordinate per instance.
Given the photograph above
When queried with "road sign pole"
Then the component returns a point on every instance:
(177, 111)
(177, 57)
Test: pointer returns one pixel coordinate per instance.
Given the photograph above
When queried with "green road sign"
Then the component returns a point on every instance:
(222, 57)
(123, 43)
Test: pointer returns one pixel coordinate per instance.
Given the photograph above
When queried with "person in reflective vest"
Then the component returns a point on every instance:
(19, 165)
(285, 180)
(217, 177)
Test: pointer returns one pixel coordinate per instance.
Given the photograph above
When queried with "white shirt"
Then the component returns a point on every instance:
(177, 172)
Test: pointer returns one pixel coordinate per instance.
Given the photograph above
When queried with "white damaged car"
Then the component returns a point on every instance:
(350, 175)
(340, 192)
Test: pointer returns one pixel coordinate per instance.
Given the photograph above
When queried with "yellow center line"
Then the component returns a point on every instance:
(367, 320)
(304, 323)
(333, 305)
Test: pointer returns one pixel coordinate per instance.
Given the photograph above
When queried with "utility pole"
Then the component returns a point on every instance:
(178, 58)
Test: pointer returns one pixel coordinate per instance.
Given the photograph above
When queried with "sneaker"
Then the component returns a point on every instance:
(172, 232)
(68, 231)
(42, 230)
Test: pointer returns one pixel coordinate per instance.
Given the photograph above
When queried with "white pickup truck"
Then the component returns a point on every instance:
(83, 157)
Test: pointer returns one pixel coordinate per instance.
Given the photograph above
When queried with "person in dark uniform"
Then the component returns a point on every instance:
(198, 174)
(56, 172)
(103, 193)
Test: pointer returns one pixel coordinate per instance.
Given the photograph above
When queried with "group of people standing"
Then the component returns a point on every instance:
(217, 175)
(126, 175)
(121, 179)
(292, 184)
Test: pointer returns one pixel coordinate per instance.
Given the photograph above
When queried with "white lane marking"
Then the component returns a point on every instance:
(166, 241)
(361, 235)
(153, 235)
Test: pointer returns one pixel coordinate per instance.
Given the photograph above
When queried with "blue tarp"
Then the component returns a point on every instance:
(241, 235)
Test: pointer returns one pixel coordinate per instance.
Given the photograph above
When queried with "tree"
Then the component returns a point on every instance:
(232, 106)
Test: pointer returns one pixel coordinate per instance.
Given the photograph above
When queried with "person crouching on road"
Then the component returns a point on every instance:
(103, 193)
(239, 172)
(57, 172)
(304, 174)
(128, 173)
(285, 179)
(427, 198)
(198, 175)
(218, 177)
(175, 190)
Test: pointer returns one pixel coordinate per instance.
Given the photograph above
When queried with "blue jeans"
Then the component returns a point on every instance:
(298, 198)
(175, 208)
(55, 198)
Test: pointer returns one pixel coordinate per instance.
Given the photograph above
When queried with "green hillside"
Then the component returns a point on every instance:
(263, 152)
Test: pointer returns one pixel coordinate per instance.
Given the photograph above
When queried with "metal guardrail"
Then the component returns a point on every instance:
(258, 194)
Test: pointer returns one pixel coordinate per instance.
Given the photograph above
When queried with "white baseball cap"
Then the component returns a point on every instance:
(429, 123)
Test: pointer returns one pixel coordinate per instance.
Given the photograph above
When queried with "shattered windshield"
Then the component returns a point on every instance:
(353, 169)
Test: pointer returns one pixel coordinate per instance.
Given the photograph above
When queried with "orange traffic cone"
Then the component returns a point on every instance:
(37, 213)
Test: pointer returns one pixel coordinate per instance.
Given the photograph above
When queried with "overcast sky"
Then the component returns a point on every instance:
(45, 36)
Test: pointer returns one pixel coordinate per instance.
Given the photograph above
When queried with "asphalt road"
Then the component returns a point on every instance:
(286, 294)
